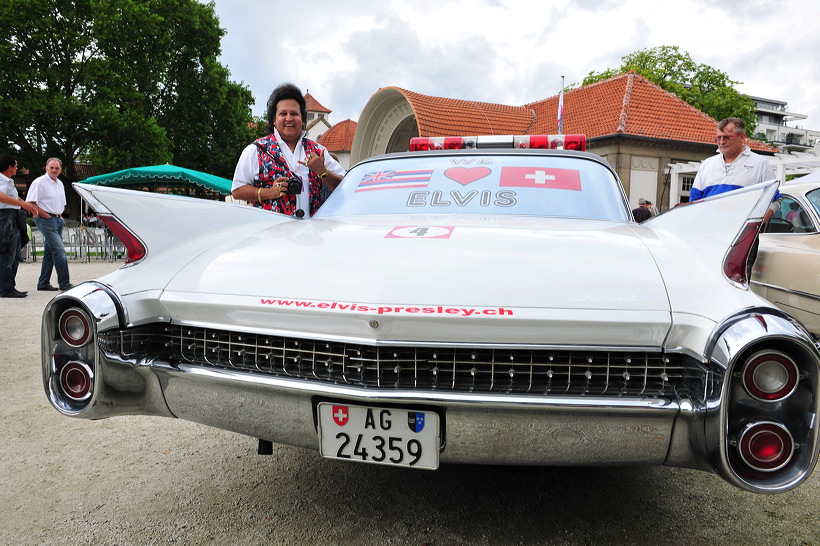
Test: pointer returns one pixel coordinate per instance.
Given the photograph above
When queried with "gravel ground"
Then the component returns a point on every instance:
(148, 480)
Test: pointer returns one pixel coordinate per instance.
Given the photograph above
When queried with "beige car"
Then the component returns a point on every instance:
(787, 269)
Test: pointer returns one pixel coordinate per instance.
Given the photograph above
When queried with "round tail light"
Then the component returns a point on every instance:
(770, 376)
(76, 379)
(766, 446)
(75, 327)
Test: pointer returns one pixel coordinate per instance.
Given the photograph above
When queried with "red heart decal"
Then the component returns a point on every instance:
(464, 176)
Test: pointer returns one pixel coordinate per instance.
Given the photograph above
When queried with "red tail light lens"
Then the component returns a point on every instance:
(734, 266)
(766, 446)
(76, 379)
(75, 327)
(134, 248)
(770, 377)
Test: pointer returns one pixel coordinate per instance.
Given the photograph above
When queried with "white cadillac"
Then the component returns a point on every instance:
(479, 305)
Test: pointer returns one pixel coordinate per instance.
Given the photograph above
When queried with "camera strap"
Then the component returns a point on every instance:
(291, 204)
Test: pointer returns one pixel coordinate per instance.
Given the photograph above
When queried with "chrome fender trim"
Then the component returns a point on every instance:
(119, 388)
(728, 405)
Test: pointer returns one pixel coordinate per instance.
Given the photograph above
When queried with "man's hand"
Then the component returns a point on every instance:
(32, 208)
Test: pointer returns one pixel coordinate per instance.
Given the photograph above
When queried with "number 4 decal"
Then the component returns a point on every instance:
(420, 232)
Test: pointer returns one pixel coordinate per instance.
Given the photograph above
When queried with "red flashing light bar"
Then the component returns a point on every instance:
(555, 142)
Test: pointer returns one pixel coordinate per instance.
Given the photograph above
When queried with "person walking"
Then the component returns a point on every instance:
(47, 193)
(11, 251)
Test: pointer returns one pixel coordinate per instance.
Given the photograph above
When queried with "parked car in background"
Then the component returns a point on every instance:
(787, 269)
(476, 300)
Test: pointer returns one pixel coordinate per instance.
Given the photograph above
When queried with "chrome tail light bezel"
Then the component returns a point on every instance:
(75, 327)
(71, 321)
(76, 380)
(754, 431)
(753, 384)
(740, 345)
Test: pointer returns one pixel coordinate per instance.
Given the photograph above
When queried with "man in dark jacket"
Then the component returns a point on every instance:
(10, 249)
(641, 212)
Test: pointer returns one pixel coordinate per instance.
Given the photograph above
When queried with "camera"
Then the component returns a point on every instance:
(294, 185)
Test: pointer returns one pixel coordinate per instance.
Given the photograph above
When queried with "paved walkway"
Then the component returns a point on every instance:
(27, 275)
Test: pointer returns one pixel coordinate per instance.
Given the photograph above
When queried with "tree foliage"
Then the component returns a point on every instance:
(707, 89)
(119, 83)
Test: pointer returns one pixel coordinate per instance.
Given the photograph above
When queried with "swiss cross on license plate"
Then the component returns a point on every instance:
(396, 437)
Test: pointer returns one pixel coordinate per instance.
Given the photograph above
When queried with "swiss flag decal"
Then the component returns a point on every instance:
(340, 415)
(538, 177)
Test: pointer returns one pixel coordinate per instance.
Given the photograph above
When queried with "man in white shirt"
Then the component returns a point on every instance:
(47, 193)
(735, 167)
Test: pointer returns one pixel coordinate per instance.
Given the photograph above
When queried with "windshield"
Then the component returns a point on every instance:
(510, 184)
(814, 198)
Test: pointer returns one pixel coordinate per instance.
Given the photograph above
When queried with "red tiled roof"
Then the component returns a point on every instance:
(314, 106)
(626, 104)
(436, 116)
(632, 105)
(339, 138)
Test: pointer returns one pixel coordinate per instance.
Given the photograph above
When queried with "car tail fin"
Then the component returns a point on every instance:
(722, 228)
(152, 223)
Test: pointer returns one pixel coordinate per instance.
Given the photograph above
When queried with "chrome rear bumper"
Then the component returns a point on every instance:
(691, 423)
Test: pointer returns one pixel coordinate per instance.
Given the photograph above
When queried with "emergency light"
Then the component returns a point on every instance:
(555, 142)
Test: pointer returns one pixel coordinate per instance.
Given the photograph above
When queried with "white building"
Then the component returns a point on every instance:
(781, 128)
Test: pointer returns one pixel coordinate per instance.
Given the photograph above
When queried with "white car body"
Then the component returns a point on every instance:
(617, 302)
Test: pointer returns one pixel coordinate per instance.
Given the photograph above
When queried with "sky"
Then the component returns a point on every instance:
(511, 51)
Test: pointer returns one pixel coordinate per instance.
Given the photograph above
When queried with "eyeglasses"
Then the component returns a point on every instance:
(725, 138)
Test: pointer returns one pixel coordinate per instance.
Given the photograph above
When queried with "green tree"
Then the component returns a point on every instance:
(707, 89)
(119, 83)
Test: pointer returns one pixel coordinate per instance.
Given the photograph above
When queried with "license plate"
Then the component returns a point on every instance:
(396, 437)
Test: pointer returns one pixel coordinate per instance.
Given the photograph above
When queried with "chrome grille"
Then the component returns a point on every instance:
(478, 369)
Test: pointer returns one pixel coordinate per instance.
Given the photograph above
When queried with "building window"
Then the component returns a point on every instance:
(310, 116)
(686, 183)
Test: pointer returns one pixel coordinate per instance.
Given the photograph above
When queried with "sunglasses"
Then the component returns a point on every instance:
(723, 138)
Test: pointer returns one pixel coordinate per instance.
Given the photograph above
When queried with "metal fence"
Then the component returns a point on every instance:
(81, 244)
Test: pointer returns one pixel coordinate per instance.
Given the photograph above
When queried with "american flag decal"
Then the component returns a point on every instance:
(391, 180)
